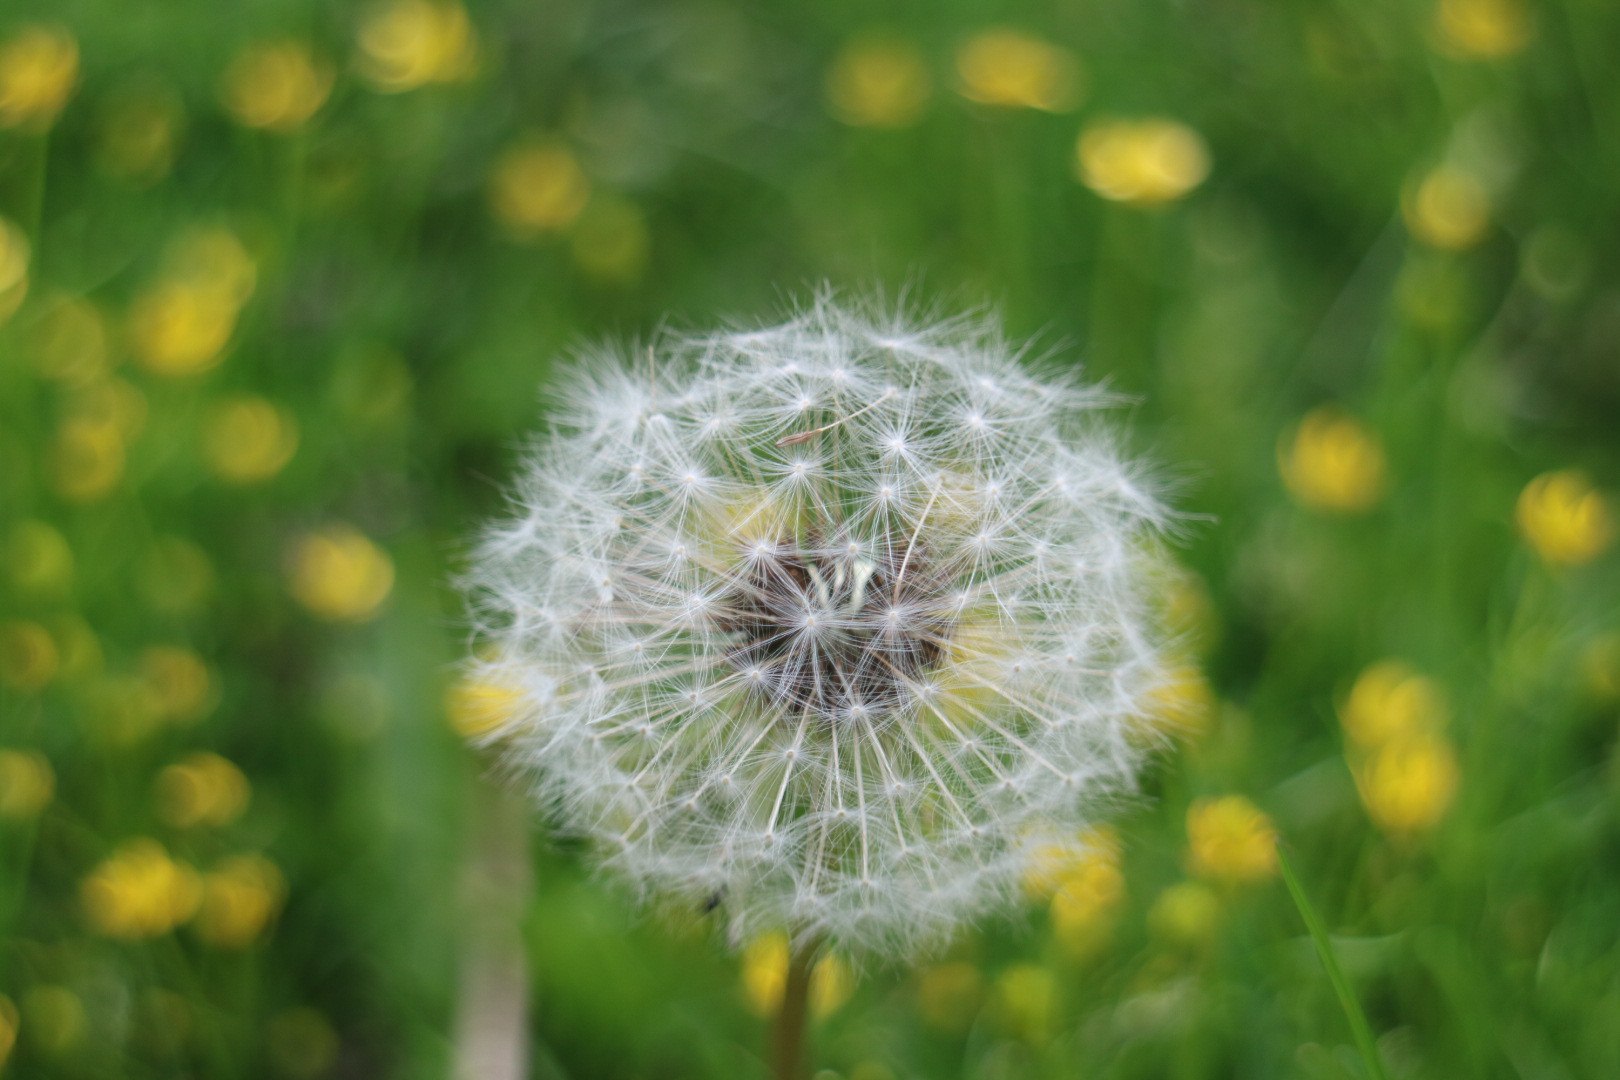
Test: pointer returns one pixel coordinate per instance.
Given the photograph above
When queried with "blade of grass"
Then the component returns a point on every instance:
(1341, 986)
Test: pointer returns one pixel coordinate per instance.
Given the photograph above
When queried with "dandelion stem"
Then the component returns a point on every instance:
(788, 1057)
(1341, 986)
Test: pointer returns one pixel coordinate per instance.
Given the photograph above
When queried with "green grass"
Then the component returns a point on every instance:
(410, 336)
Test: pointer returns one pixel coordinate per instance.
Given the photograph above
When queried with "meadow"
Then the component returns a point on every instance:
(281, 286)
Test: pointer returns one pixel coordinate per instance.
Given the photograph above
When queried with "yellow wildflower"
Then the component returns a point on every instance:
(239, 899)
(180, 688)
(139, 892)
(1409, 782)
(175, 575)
(1084, 905)
(764, 977)
(1016, 70)
(14, 258)
(1184, 701)
(1390, 700)
(949, 995)
(1185, 914)
(879, 82)
(1230, 841)
(538, 187)
(339, 574)
(28, 656)
(477, 709)
(38, 69)
(140, 130)
(38, 559)
(27, 783)
(55, 1017)
(246, 439)
(69, 341)
(181, 328)
(201, 789)
(1565, 518)
(1026, 997)
(410, 43)
(1053, 865)
(1447, 209)
(1486, 29)
(1333, 463)
(276, 85)
(610, 241)
(1145, 162)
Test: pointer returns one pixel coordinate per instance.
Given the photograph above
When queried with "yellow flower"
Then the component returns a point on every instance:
(1145, 162)
(1486, 29)
(1447, 209)
(181, 329)
(246, 439)
(339, 574)
(8, 1028)
(949, 995)
(1084, 906)
(14, 258)
(610, 241)
(1185, 914)
(1390, 700)
(538, 187)
(28, 656)
(55, 1017)
(179, 686)
(239, 899)
(1564, 518)
(175, 575)
(478, 709)
(140, 130)
(1409, 782)
(1026, 996)
(139, 892)
(27, 783)
(1184, 701)
(1016, 70)
(38, 69)
(764, 977)
(878, 82)
(1230, 841)
(1333, 463)
(201, 789)
(69, 341)
(1052, 865)
(411, 43)
(276, 85)
(38, 559)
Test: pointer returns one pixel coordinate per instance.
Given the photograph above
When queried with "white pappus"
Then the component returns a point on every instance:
(830, 624)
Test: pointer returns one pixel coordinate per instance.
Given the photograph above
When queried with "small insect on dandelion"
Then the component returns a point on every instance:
(828, 627)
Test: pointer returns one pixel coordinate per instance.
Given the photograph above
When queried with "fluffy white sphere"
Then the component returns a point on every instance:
(828, 625)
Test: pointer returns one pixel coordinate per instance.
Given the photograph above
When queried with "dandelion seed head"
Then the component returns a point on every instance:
(835, 619)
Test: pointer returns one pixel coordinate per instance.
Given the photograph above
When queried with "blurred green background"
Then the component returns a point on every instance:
(281, 283)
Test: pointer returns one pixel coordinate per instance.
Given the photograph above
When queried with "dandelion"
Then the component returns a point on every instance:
(1391, 699)
(829, 627)
(1185, 914)
(1025, 998)
(1015, 70)
(1333, 463)
(878, 82)
(39, 68)
(1408, 783)
(1141, 162)
(246, 439)
(14, 258)
(202, 789)
(177, 682)
(538, 187)
(239, 899)
(1564, 518)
